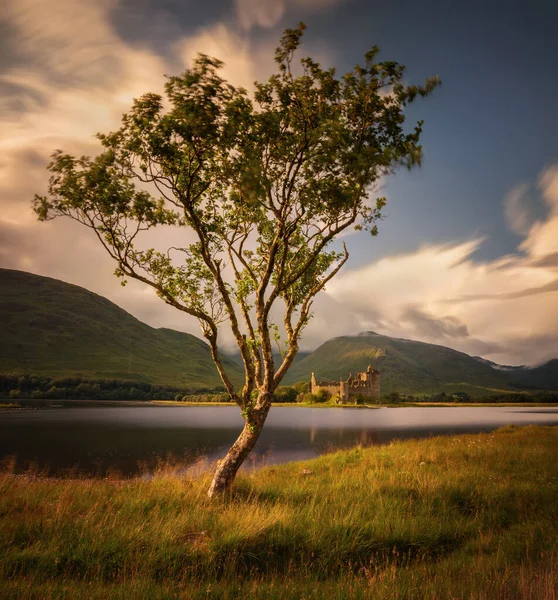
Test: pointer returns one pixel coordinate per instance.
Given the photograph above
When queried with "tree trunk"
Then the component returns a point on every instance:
(228, 466)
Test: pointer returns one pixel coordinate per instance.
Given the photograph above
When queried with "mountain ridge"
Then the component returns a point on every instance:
(412, 366)
(56, 328)
(405, 366)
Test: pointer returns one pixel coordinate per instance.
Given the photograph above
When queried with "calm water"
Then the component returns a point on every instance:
(94, 438)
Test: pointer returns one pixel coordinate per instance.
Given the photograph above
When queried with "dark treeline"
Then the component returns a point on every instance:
(532, 396)
(43, 387)
(39, 387)
(284, 393)
(27, 386)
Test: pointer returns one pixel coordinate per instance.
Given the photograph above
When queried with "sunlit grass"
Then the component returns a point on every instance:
(472, 516)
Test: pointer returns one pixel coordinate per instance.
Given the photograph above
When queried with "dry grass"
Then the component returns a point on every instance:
(471, 516)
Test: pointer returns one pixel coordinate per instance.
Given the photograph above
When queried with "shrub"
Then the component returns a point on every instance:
(359, 399)
(322, 396)
(393, 397)
(285, 394)
(308, 398)
(302, 387)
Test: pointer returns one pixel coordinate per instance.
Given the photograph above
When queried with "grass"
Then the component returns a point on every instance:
(463, 517)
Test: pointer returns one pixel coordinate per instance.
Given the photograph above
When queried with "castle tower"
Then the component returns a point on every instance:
(343, 390)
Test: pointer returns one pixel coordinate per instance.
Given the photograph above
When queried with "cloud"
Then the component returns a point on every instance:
(428, 326)
(550, 260)
(244, 63)
(268, 13)
(73, 75)
(441, 294)
(261, 13)
(69, 38)
(548, 184)
(542, 238)
(516, 212)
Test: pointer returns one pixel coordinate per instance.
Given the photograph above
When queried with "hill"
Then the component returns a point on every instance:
(48, 327)
(55, 328)
(406, 366)
(236, 357)
(541, 377)
(544, 377)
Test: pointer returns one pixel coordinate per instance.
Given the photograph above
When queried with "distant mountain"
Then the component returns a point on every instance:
(406, 366)
(497, 366)
(237, 358)
(53, 328)
(544, 377)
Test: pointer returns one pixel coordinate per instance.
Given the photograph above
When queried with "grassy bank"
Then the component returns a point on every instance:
(472, 516)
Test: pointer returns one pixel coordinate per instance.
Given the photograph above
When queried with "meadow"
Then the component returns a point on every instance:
(472, 516)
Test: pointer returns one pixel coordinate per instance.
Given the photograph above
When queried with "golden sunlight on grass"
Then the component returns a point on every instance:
(470, 516)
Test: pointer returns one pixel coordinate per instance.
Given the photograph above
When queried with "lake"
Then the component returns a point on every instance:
(96, 438)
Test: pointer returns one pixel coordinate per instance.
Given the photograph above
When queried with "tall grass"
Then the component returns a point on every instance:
(471, 516)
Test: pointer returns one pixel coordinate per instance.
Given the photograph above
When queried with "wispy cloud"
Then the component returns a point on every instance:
(443, 295)
(74, 74)
(268, 13)
(516, 210)
(244, 62)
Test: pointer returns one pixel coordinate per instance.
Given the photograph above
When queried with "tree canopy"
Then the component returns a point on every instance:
(266, 182)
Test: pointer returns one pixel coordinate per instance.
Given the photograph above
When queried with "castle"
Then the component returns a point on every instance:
(366, 384)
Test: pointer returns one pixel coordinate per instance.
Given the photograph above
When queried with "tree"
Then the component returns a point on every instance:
(266, 185)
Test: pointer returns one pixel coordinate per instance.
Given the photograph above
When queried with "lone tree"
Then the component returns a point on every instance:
(265, 184)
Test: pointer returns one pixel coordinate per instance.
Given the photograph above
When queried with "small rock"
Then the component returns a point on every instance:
(421, 464)
(306, 472)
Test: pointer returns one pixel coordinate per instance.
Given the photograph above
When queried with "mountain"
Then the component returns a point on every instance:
(543, 377)
(54, 328)
(405, 366)
(237, 357)
(499, 367)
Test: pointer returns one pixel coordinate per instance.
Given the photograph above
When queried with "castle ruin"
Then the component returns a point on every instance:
(365, 384)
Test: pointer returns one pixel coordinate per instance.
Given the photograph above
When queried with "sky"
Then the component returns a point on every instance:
(467, 255)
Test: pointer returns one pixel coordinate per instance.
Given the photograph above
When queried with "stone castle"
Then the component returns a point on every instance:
(366, 384)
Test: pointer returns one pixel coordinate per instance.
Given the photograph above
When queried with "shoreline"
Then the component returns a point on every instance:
(416, 404)
(6, 407)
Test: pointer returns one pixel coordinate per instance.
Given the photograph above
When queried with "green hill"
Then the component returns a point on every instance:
(405, 366)
(48, 327)
(53, 328)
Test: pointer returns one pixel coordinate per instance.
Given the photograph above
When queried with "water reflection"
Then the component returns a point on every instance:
(99, 438)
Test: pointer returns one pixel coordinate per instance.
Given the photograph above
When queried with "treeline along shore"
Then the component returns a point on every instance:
(16, 386)
(37, 387)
